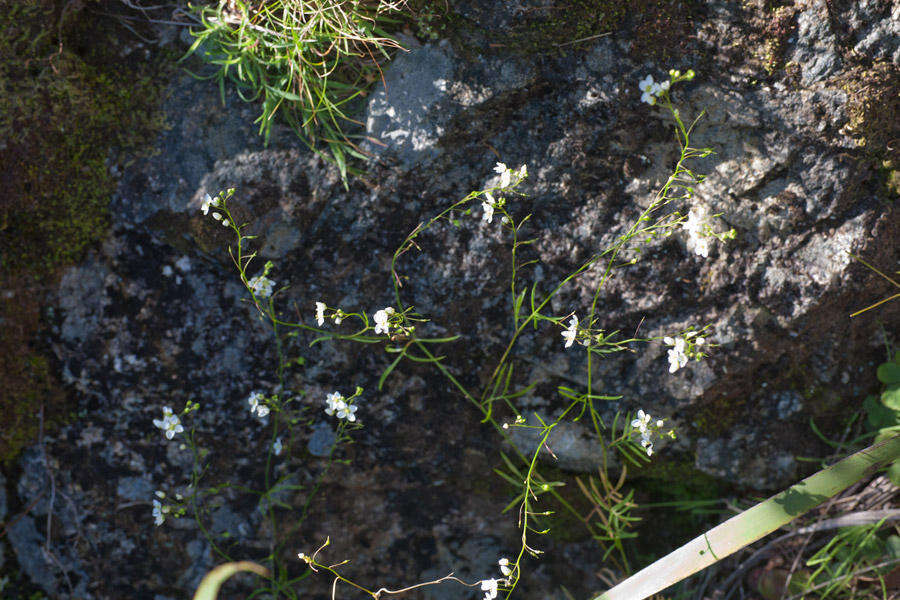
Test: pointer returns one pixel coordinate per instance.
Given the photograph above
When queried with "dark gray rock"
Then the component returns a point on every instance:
(158, 317)
(201, 562)
(206, 131)
(423, 91)
(404, 111)
(2, 515)
(816, 50)
(322, 440)
(872, 28)
(3, 507)
(81, 300)
(226, 521)
(746, 455)
(136, 489)
(27, 544)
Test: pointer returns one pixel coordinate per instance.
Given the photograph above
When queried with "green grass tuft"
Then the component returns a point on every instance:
(305, 61)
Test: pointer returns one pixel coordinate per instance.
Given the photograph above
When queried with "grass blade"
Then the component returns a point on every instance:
(754, 523)
(212, 581)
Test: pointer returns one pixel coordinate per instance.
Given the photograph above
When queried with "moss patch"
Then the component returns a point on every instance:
(666, 479)
(873, 105)
(68, 102)
(779, 26)
(663, 529)
(662, 28)
(30, 390)
(564, 22)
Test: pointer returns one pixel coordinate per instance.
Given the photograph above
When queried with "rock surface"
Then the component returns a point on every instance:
(158, 317)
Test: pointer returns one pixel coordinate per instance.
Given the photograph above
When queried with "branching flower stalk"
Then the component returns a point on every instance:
(644, 226)
(397, 328)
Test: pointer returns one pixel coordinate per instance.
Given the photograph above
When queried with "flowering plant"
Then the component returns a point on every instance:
(399, 328)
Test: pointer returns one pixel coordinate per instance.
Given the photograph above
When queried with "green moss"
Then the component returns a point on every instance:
(663, 529)
(68, 103)
(780, 25)
(35, 390)
(891, 181)
(661, 27)
(563, 24)
(872, 106)
(63, 113)
(665, 479)
(718, 416)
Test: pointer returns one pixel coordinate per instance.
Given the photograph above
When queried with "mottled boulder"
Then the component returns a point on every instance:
(158, 317)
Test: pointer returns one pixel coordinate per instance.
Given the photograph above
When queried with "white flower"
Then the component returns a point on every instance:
(504, 566)
(489, 586)
(338, 316)
(173, 427)
(167, 412)
(261, 286)
(255, 400)
(170, 423)
(225, 223)
(347, 411)
(335, 404)
(570, 333)
(333, 401)
(505, 174)
(183, 264)
(381, 320)
(277, 447)
(651, 90)
(488, 206)
(217, 216)
(648, 445)
(523, 172)
(677, 356)
(646, 442)
(702, 247)
(207, 201)
(695, 225)
(642, 424)
(159, 516)
(320, 313)
(643, 419)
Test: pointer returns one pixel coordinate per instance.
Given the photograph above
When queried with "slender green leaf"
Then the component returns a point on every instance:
(754, 523)
(209, 586)
(390, 368)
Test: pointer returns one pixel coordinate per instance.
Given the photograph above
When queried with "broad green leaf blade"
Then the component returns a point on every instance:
(754, 523)
(212, 581)
(893, 473)
(889, 373)
(891, 397)
(878, 415)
